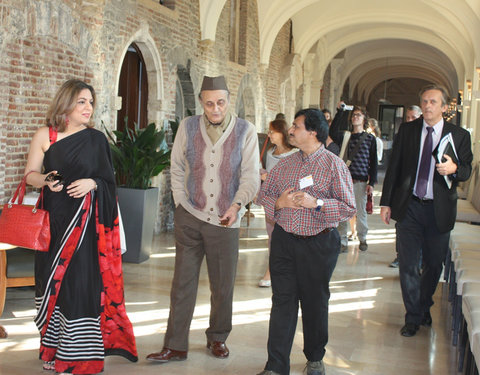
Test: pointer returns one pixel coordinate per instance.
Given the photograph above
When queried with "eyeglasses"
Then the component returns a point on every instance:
(270, 132)
(357, 115)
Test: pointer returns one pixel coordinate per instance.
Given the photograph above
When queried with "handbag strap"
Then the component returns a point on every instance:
(21, 190)
(52, 134)
(264, 148)
(40, 199)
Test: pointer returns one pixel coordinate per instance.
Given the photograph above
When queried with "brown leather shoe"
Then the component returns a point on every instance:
(3, 333)
(218, 349)
(167, 355)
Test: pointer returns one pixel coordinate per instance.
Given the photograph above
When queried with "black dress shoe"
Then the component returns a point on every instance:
(167, 355)
(394, 263)
(427, 319)
(409, 330)
(363, 246)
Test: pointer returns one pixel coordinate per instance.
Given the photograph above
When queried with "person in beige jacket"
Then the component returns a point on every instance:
(214, 174)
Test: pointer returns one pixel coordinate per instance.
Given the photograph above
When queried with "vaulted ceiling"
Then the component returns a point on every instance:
(435, 40)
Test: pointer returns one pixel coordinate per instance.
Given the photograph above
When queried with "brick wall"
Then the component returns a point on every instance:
(280, 51)
(37, 56)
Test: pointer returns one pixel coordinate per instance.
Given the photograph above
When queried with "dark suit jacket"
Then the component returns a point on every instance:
(402, 170)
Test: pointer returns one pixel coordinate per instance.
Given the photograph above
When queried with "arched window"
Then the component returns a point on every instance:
(184, 97)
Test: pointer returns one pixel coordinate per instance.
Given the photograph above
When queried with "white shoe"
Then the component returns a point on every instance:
(265, 283)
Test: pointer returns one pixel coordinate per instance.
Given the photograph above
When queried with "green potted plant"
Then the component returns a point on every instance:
(138, 156)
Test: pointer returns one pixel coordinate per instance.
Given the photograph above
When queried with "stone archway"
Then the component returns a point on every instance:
(184, 93)
(291, 78)
(153, 64)
(288, 99)
(188, 80)
(247, 104)
(156, 109)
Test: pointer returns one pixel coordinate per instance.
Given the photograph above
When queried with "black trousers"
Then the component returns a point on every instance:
(300, 270)
(418, 236)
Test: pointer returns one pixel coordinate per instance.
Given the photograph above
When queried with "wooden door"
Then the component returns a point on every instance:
(133, 88)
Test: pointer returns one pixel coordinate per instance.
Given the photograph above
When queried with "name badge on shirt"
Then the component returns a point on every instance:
(306, 182)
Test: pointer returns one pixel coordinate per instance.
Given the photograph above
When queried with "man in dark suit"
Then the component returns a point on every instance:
(416, 195)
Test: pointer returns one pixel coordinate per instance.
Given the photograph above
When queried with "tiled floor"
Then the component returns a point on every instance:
(366, 313)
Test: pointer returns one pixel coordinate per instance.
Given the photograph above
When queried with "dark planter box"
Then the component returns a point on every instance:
(138, 208)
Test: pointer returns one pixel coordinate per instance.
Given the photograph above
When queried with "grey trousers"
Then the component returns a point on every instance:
(360, 191)
(196, 239)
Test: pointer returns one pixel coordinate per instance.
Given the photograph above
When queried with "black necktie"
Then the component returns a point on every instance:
(425, 162)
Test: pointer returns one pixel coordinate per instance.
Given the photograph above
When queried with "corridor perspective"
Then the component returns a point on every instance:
(145, 63)
(366, 314)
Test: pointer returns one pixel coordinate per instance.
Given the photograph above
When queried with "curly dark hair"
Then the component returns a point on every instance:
(364, 112)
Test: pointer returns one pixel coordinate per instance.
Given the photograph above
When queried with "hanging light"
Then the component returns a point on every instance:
(384, 100)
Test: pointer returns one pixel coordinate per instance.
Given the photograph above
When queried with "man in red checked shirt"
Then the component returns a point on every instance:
(307, 194)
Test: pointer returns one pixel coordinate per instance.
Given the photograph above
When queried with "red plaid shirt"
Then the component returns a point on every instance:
(332, 183)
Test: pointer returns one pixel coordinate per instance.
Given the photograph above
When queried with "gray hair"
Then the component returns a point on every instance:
(416, 109)
(443, 90)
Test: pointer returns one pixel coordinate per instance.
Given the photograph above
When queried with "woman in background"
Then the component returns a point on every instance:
(330, 145)
(78, 283)
(374, 129)
(328, 116)
(279, 149)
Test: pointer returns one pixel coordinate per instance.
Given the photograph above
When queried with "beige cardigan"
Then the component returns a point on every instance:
(200, 177)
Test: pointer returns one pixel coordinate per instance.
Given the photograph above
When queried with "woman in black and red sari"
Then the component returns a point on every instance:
(79, 282)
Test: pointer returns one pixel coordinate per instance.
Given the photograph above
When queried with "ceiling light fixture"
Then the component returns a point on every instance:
(384, 100)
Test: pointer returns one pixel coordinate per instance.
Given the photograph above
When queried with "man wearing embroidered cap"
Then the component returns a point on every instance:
(214, 172)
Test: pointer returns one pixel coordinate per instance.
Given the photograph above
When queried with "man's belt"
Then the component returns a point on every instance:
(422, 200)
(300, 237)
